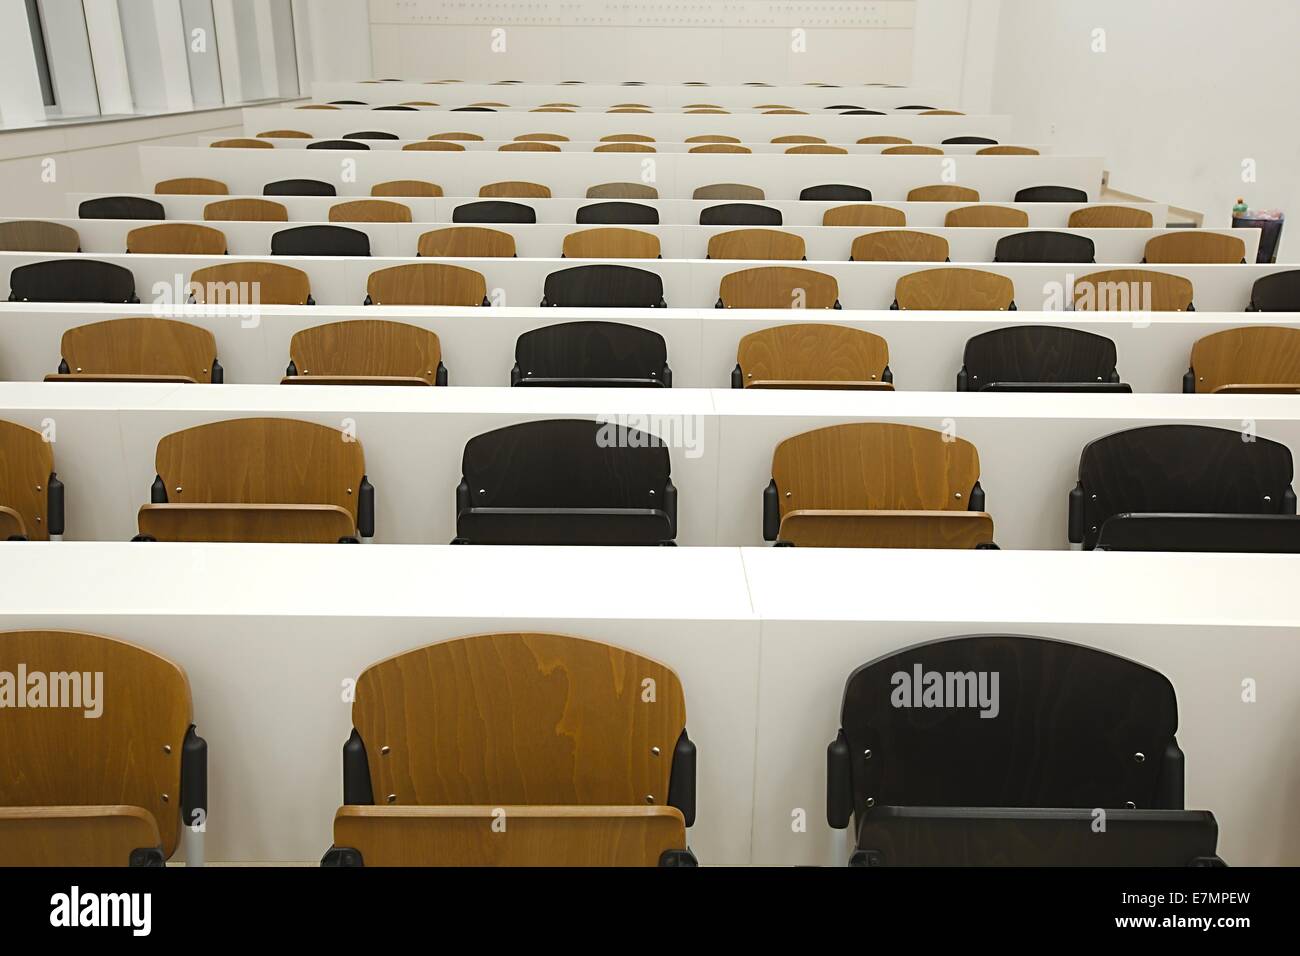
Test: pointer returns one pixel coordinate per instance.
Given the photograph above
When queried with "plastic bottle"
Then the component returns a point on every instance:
(1240, 209)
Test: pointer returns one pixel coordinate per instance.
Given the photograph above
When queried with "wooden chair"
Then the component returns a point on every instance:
(434, 146)
(816, 149)
(466, 242)
(548, 757)
(1006, 151)
(876, 485)
(604, 286)
(191, 186)
(365, 352)
(911, 151)
(884, 141)
(778, 287)
(114, 790)
(943, 193)
(720, 148)
(864, 214)
(407, 187)
(528, 147)
(954, 289)
(611, 243)
(727, 191)
(370, 210)
(285, 134)
(1194, 246)
(797, 138)
(31, 494)
(940, 113)
(899, 245)
(624, 148)
(541, 138)
(622, 191)
(712, 138)
(468, 137)
(1122, 290)
(30, 235)
(812, 355)
(987, 216)
(551, 109)
(242, 143)
(756, 244)
(246, 210)
(1253, 359)
(628, 109)
(514, 190)
(715, 112)
(138, 350)
(1110, 217)
(784, 111)
(627, 138)
(177, 239)
(259, 480)
(250, 283)
(421, 283)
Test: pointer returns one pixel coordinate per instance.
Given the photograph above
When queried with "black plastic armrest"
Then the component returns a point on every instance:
(194, 780)
(681, 783)
(1189, 382)
(366, 508)
(670, 505)
(771, 511)
(737, 377)
(54, 505)
(1074, 524)
(976, 499)
(839, 783)
(440, 376)
(356, 773)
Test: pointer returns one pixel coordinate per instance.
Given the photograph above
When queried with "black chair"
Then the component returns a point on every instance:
(348, 103)
(566, 481)
(836, 192)
(915, 107)
(1045, 246)
(473, 109)
(398, 109)
(121, 207)
(1051, 194)
(617, 213)
(843, 106)
(1239, 534)
(299, 187)
(337, 144)
(494, 210)
(320, 241)
(604, 287)
(1019, 728)
(72, 280)
(371, 134)
(1278, 292)
(591, 355)
(1178, 469)
(740, 214)
(862, 113)
(969, 141)
(1039, 358)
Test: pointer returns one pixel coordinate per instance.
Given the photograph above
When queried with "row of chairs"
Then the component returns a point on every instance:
(355, 141)
(583, 482)
(505, 770)
(765, 109)
(264, 282)
(640, 139)
(806, 355)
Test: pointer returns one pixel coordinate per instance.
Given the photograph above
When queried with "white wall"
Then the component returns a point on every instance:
(955, 49)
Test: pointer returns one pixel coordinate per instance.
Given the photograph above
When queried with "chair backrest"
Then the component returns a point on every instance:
(1051, 194)
(406, 187)
(457, 135)
(320, 241)
(822, 149)
(622, 191)
(1182, 468)
(494, 211)
(812, 352)
(627, 138)
(72, 280)
(283, 134)
(261, 461)
(604, 286)
(943, 193)
(756, 244)
(611, 243)
(1278, 292)
(36, 236)
(720, 148)
(370, 210)
(712, 138)
(1074, 727)
(351, 144)
(367, 347)
(1121, 290)
(140, 346)
(1043, 245)
(911, 151)
(740, 214)
(176, 238)
(245, 210)
(243, 143)
(127, 754)
(1194, 246)
(515, 190)
(255, 282)
(883, 140)
(624, 148)
(631, 213)
(954, 288)
(987, 216)
(835, 192)
(468, 242)
(1006, 151)
(434, 146)
(1037, 353)
(26, 465)
(121, 207)
(1247, 355)
(299, 187)
(591, 350)
(797, 138)
(191, 186)
(864, 215)
(737, 191)
(546, 720)
(899, 245)
(427, 283)
(969, 141)
(1110, 216)
(528, 147)
(371, 134)
(778, 287)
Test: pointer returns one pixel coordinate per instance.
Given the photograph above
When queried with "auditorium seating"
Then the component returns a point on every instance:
(259, 282)
(953, 288)
(138, 350)
(471, 242)
(1253, 359)
(177, 239)
(1132, 289)
(1039, 358)
(426, 284)
(31, 494)
(365, 352)
(592, 355)
(36, 236)
(320, 241)
(812, 355)
(72, 280)
(604, 287)
(778, 287)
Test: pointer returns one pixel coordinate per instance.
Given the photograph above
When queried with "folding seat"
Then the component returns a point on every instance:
(406, 187)
(969, 141)
(943, 193)
(566, 482)
(622, 191)
(528, 147)
(37, 236)
(71, 280)
(320, 241)
(1039, 358)
(299, 187)
(835, 192)
(245, 210)
(713, 138)
(139, 350)
(365, 352)
(812, 355)
(458, 135)
(899, 245)
(954, 289)
(495, 211)
(420, 283)
(1277, 292)
(720, 148)
(1247, 359)
(338, 144)
(1043, 245)
(434, 146)
(986, 216)
(259, 480)
(177, 239)
(371, 134)
(624, 148)
(399, 107)
(1051, 194)
(862, 113)
(630, 213)
(1006, 151)
(914, 107)
(242, 143)
(88, 780)
(884, 140)
(1194, 246)
(592, 355)
(1109, 216)
(370, 210)
(926, 780)
(1180, 472)
(843, 106)
(191, 186)
(284, 134)
(816, 149)
(1122, 290)
(514, 190)
(740, 214)
(347, 103)
(317, 106)
(911, 151)
(756, 244)
(256, 282)
(876, 485)
(592, 776)
(31, 494)
(611, 243)
(778, 287)
(784, 112)
(627, 138)
(941, 113)
(466, 242)
(121, 207)
(797, 138)
(604, 287)
(729, 191)
(864, 214)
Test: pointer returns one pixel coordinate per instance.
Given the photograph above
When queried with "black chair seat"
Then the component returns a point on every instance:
(299, 187)
(72, 280)
(1043, 245)
(337, 144)
(836, 192)
(1051, 194)
(1223, 533)
(121, 207)
(1039, 358)
(591, 354)
(617, 213)
(564, 526)
(494, 210)
(320, 241)
(740, 214)
(604, 287)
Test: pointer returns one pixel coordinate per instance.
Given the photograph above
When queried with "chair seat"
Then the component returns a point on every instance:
(1096, 387)
(828, 384)
(119, 377)
(1259, 388)
(886, 529)
(264, 523)
(576, 526)
(1270, 534)
(593, 382)
(353, 380)
(77, 836)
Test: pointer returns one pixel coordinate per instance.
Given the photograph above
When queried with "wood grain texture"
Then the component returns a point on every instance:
(622, 191)
(11, 524)
(812, 352)
(434, 146)
(130, 755)
(552, 109)
(515, 190)
(370, 210)
(247, 523)
(864, 214)
(250, 283)
(472, 242)
(884, 140)
(886, 529)
(1006, 151)
(627, 109)
(541, 138)
(521, 718)
(406, 187)
(611, 243)
(176, 239)
(708, 111)
(246, 210)
(191, 186)
(727, 191)
(712, 138)
(624, 148)
(720, 148)
(797, 138)
(454, 135)
(1255, 355)
(432, 283)
(627, 138)
(285, 134)
(784, 112)
(778, 287)
(33, 235)
(26, 463)
(756, 244)
(74, 836)
(954, 288)
(911, 151)
(242, 143)
(982, 216)
(528, 147)
(817, 149)
(1194, 246)
(367, 347)
(1121, 290)
(940, 113)
(1110, 217)
(139, 346)
(899, 245)
(318, 106)
(943, 193)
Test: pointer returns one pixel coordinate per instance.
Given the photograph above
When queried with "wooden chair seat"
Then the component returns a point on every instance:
(886, 529)
(75, 836)
(273, 523)
(176, 239)
(353, 380)
(1262, 359)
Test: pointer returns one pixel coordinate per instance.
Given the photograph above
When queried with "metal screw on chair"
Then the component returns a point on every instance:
(384, 751)
(654, 751)
(957, 494)
(392, 798)
(179, 489)
(649, 798)
(866, 755)
(166, 798)
(1140, 757)
(167, 748)
(871, 801)
(1130, 805)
